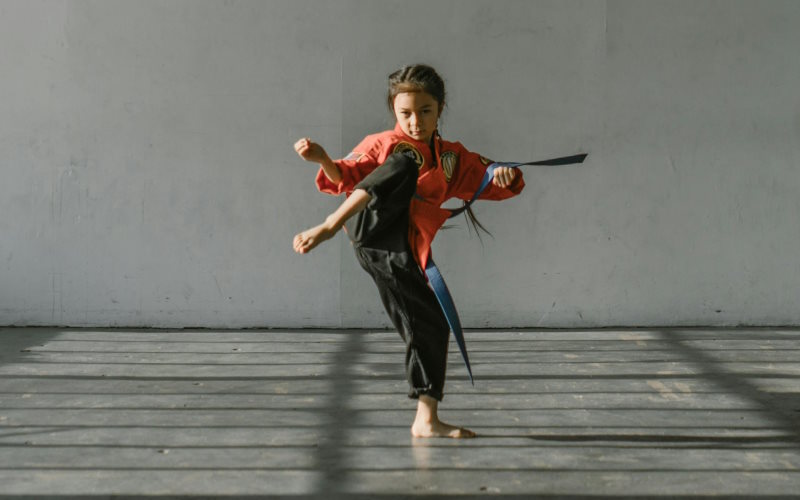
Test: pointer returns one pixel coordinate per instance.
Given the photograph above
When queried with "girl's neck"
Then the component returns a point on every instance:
(430, 142)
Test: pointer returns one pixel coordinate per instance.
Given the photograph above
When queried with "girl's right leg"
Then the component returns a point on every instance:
(387, 192)
(310, 238)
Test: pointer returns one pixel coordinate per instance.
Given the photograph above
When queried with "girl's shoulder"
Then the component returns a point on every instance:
(451, 144)
(463, 154)
(455, 146)
(385, 137)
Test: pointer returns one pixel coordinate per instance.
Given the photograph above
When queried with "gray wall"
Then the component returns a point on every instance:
(148, 175)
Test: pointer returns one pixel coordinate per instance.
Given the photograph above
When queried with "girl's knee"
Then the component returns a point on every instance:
(403, 164)
(392, 184)
(403, 168)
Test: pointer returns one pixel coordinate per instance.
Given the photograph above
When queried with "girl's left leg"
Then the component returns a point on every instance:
(427, 423)
(414, 311)
(379, 234)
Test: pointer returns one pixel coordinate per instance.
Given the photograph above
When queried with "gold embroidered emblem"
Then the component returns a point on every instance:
(449, 160)
(410, 151)
(485, 161)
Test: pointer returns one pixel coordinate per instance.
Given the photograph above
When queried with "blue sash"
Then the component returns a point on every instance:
(435, 277)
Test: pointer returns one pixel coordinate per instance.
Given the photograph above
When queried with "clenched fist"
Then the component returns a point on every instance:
(310, 151)
(504, 176)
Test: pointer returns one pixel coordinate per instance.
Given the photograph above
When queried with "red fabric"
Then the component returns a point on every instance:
(452, 172)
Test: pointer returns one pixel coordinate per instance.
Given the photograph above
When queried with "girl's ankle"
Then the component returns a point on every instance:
(332, 224)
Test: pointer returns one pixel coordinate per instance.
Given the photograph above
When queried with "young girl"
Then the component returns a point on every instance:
(396, 182)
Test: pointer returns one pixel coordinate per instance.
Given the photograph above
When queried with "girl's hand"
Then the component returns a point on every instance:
(310, 151)
(504, 176)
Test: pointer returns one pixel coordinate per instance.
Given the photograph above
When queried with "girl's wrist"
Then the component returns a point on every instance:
(331, 170)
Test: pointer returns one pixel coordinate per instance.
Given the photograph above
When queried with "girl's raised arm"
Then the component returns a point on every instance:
(313, 152)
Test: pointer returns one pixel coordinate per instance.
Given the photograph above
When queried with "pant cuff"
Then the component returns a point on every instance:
(430, 392)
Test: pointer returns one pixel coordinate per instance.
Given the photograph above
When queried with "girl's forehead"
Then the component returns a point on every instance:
(414, 99)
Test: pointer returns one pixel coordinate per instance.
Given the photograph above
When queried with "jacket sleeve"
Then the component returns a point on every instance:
(469, 173)
(354, 167)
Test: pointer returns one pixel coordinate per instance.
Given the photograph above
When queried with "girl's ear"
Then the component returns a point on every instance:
(441, 108)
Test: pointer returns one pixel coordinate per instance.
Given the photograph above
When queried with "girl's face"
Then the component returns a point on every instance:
(417, 113)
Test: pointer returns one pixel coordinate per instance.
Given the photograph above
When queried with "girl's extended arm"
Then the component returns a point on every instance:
(313, 152)
(504, 176)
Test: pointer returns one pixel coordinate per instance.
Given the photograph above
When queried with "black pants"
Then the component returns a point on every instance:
(380, 238)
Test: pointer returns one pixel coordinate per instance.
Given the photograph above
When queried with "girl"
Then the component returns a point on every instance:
(395, 183)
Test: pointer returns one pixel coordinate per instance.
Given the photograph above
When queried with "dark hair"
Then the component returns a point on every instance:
(416, 78)
(423, 78)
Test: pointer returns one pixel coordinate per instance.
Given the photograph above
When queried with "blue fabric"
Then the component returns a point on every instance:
(449, 308)
(489, 174)
(435, 276)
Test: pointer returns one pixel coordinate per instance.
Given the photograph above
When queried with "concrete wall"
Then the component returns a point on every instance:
(148, 176)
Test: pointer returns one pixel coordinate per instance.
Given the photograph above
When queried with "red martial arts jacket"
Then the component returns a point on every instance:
(451, 171)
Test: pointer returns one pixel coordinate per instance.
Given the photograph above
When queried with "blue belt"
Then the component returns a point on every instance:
(435, 277)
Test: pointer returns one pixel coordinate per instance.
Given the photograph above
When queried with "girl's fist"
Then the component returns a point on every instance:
(504, 176)
(310, 151)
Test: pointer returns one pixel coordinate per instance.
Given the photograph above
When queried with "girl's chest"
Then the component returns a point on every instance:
(431, 183)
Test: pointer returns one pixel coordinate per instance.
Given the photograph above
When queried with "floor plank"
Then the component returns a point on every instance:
(637, 413)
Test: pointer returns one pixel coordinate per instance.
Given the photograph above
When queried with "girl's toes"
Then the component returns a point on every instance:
(466, 433)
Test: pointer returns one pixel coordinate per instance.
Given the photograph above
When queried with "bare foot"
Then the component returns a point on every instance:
(427, 424)
(310, 238)
(440, 429)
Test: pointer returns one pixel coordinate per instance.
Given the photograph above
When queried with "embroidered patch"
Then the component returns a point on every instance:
(486, 161)
(410, 151)
(354, 156)
(449, 160)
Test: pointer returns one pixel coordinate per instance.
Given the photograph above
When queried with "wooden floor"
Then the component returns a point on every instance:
(607, 413)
